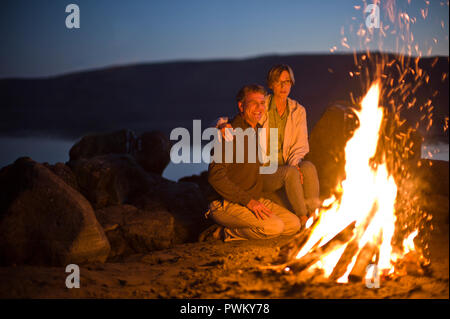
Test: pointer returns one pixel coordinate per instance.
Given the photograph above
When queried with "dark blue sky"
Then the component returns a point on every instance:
(35, 41)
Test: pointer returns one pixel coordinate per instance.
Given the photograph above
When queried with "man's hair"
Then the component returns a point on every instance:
(275, 72)
(250, 88)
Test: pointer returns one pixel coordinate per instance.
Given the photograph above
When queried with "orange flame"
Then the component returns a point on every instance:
(368, 198)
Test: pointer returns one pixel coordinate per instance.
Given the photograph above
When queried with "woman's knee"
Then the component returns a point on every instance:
(308, 167)
(291, 172)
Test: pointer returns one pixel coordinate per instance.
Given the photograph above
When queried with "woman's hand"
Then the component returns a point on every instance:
(259, 209)
(226, 130)
(303, 220)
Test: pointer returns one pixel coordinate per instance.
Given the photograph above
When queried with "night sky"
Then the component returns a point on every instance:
(36, 42)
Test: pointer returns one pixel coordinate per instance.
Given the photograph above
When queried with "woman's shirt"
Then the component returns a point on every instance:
(279, 122)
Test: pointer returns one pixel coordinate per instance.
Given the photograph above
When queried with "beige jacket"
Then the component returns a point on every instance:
(295, 145)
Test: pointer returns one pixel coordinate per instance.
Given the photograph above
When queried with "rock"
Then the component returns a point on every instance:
(138, 231)
(153, 151)
(202, 181)
(65, 173)
(431, 176)
(43, 221)
(184, 201)
(112, 179)
(118, 142)
(327, 151)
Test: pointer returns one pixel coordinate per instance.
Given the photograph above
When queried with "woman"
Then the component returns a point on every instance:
(298, 177)
(289, 117)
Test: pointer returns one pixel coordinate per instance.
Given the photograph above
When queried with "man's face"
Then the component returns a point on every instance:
(253, 107)
(282, 87)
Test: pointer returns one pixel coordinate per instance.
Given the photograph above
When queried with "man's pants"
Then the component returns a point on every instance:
(241, 223)
(304, 199)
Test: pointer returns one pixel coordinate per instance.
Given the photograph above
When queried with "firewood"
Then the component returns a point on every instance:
(364, 258)
(352, 248)
(345, 260)
(317, 252)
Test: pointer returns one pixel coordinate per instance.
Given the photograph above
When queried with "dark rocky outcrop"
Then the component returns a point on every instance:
(184, 201)
(202, 181)
(151, 149)
(131, 230)
(112, 179)
(65, 173)
(431, 177)
(44, 221)
(117, 142)
(327, 145)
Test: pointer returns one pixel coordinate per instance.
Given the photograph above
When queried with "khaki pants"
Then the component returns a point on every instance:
(240, 223)
(303, 198)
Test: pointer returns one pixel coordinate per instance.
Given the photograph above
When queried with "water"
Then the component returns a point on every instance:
(42, 149)
(436, 151)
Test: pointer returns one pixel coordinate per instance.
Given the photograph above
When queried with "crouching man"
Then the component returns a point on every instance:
(242, 212)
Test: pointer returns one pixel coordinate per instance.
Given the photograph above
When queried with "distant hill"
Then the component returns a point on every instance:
(167, 95)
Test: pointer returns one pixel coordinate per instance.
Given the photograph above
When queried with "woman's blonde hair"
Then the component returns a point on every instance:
(275, 72)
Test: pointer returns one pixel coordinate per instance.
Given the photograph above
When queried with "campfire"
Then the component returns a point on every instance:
(349, 233)
(373, 226)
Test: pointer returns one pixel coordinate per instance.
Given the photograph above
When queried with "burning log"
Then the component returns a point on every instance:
(287, 252)
(345, 260)
(353, 247)
(365, 257)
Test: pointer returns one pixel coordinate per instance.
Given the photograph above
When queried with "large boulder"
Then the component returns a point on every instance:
(327, 146)
(131, 230)
(44, 221)
(184, 201)
(118, 142)
(431, 176)
(112, 179)
(65, 173)
(152, 151)
(202, 181)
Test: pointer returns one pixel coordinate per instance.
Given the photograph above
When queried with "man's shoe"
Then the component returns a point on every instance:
(212, 233)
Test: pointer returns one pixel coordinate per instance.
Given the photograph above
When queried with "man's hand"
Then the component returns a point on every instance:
(301, 175)
(259, 209)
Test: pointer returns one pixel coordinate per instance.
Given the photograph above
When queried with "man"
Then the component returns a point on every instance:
(243, 213)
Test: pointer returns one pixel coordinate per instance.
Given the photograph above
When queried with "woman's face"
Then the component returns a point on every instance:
(282, 87)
